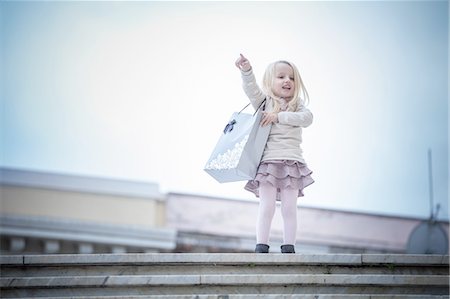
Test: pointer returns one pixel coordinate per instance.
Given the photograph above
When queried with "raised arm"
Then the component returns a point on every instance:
(251, 88)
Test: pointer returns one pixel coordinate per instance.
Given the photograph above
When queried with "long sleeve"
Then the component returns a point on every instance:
(301, 118)
(251, 89)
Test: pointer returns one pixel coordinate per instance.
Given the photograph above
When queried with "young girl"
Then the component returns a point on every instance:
(282, 173)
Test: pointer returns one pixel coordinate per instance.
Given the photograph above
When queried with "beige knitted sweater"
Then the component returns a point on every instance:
(285, 136)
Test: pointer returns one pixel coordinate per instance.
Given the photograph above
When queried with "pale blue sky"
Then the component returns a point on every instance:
(142, 90)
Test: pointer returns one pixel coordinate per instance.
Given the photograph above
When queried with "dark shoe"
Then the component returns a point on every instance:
(287, 249)
(262, 248)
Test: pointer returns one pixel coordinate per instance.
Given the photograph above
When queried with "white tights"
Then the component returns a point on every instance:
(267, 204)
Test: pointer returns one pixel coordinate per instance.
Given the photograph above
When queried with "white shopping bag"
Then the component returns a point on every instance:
(238, 152)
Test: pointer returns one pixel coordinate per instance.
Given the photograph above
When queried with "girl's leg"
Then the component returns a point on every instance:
(289, 213)
(267, 204)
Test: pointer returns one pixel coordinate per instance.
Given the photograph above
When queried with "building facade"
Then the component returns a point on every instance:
(57, 213)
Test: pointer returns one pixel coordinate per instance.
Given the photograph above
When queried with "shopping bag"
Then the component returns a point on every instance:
(238, 152)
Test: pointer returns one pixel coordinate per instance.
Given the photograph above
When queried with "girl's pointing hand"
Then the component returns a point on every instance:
(243, 64)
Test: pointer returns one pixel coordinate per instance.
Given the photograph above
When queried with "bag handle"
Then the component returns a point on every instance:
(260, 105)
(230, 125)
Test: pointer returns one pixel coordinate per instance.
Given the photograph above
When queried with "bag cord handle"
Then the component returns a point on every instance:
(230, 125)
(260, 105)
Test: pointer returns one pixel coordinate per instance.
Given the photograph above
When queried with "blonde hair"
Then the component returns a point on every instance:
(300, 96)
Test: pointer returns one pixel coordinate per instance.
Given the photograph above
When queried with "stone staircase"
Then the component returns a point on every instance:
(225, 276)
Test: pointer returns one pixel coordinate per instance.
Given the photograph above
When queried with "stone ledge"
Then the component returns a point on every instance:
(341, 280)
(410, 259)
(266, 296)
(224, 258)
(87, 232)
(16, 260)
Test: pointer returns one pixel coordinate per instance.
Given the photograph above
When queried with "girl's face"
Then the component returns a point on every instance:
(283, 83)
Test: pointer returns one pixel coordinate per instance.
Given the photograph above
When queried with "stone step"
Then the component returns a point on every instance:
(251, 292)
(158, 264)
(265, 296)
(225, 258)
(178, 275)
(220, 284)
(37, 271)
(224, 280)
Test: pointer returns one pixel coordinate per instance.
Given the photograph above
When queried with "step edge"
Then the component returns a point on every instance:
(223, 259)
(231, 279)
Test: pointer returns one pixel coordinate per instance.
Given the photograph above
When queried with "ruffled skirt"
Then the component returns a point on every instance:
(281, 174)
